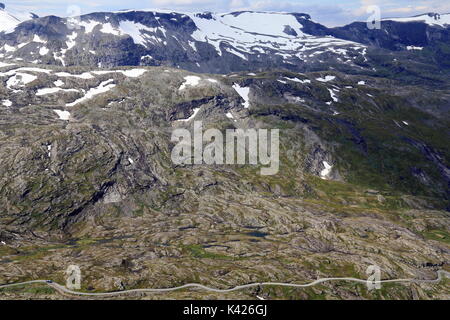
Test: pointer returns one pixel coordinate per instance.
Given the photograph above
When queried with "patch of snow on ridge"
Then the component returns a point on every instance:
(43, 51)
(4, 64)
(133, 73)
(409, 48)
(63, 115)
(45, 91)
(244, 93)
(105, 86)
(236, 53)
(89, 26)
(229, 115)
(333, 95)
(190, 81)
(259, 31)
(71, 42)
(9, 48)
(20, 79)
(134, 30)
(196, 110)
(263, 23)
(298, 80)
(326, 79)
(37, 39)
(326, 172)
(7, 103)
(85, 75)
(34, 70)
(108, 28)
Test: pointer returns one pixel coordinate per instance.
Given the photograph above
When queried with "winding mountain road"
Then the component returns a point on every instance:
(441, 275)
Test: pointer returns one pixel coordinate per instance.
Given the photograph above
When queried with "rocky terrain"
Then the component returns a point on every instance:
(86, 176)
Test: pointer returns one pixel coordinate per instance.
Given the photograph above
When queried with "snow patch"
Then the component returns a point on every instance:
(409, 48)
(108, 28)
(244, 93)
(89, 25)
(196, 110)
(34, 70)
(43, 51)
(440, 20)
(37, 39)
(133, 73)
(229, 115)
(85, 75)
(20, 79)
(326, 172)
(326, 79)
(63, 115)
(7, 103)
(105, 86)
(333, 95)
(4, 64)
(58, 83)
(190, 81)
(9, 48)
(44, 91)
(298, 80)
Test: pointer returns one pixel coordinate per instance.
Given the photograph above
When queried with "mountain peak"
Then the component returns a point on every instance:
(431, 18)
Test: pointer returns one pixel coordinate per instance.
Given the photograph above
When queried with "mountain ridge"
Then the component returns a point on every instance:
(209, 42)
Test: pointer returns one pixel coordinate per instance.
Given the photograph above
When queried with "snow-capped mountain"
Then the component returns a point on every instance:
(199, 42)
(433, 19)
(9, 20)
(208, 42)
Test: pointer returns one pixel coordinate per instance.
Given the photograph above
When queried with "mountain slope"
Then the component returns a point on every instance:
(86, 177)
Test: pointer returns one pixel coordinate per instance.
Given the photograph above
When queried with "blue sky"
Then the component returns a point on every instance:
(328, 12)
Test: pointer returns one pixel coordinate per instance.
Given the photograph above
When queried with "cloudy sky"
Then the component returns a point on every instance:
(328, 12)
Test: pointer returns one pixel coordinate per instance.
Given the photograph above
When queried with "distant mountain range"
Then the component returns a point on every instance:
(218, 43)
